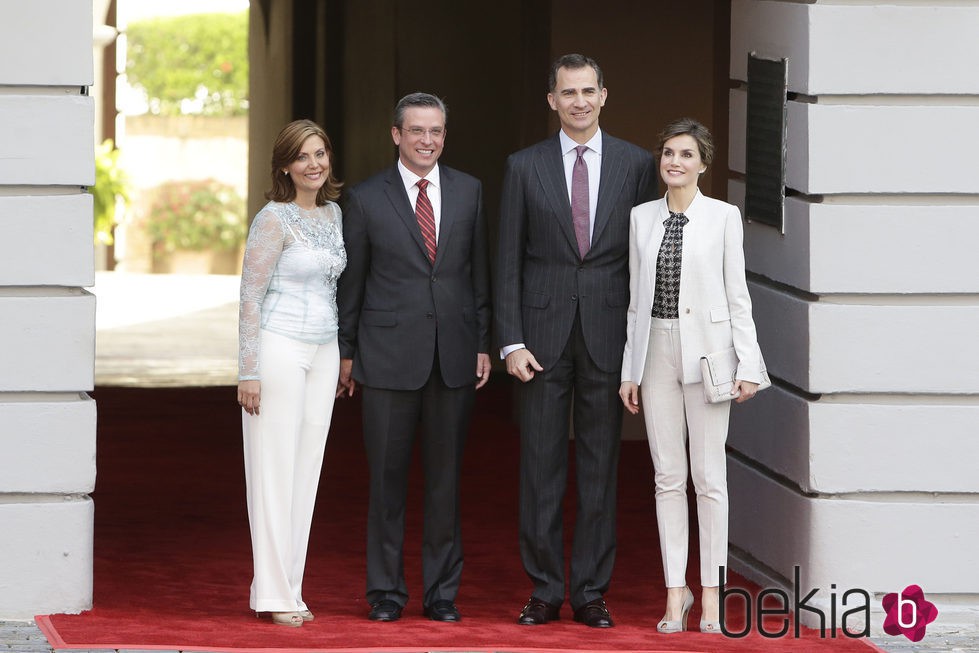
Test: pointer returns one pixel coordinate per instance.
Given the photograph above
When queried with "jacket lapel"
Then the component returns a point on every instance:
(402, 207)
(653, 242)
(450, 211)
(612, 179)
(550, 171)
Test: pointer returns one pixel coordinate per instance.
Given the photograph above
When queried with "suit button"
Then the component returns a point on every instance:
(429, 315)
(687, 311)
(434, 278)
(574, 298)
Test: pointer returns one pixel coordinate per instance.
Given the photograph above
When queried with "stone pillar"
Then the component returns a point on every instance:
(860, 465)
(47, 328)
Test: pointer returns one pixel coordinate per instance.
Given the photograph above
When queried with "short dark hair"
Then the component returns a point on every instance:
(417, 100)
(286, 150)
(573, 62)
(692, 128)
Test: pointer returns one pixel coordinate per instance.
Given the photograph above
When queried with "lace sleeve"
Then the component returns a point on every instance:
(262, 251)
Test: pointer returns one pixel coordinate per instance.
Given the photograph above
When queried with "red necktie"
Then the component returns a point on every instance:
(579, 202)
(426, 218)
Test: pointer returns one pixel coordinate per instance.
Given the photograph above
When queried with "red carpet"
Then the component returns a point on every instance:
(172, 553)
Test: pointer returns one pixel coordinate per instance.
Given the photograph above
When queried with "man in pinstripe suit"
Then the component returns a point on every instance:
(560, 309)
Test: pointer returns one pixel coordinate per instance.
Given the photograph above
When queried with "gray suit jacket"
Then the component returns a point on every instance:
(395, 306)
(542, 282)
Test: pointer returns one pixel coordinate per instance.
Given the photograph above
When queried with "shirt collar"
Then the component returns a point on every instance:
(410, 179)
(568, 144)
(665, 209)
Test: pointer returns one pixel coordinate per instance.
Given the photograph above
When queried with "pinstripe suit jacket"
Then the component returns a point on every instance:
(541, 281)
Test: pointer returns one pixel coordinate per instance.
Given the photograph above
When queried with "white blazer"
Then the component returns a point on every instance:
(714, 307)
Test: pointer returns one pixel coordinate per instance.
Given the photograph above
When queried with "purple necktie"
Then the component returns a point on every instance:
(579, 201)
(426, 218)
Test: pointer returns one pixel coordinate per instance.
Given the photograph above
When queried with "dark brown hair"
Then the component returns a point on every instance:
(286, 150)
(692, 128)
(573, 62)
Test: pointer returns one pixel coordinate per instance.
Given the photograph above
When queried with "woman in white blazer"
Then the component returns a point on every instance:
(689, 298)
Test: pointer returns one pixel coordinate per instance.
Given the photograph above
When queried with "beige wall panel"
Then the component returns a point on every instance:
(41, 43)
(773, 430)
(49, 446)
(49, 342)
(861, 48)
(866, 248)
(919, 349)
(856, 149)
(843, 541)
(47, 240)
(47, 140)
(782, 322)
(867, 348)
(46, 564)
(752, 30)
(844, 149)
(783, 257)
(835, 447)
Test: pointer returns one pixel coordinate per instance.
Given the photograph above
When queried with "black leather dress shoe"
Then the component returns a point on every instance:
(385, 610)
(442, 610)
(538, 612)
(594, 614)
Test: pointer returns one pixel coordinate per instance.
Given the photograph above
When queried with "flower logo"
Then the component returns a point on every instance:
(908, 613)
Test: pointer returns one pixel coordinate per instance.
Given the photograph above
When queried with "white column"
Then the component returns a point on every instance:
(860, 466)
(47, 319)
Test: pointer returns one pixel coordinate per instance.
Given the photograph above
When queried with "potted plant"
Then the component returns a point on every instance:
(202, 216)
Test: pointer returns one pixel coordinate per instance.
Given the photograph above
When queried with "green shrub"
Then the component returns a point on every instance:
(202, 57)
(196, 215)
(110, 185)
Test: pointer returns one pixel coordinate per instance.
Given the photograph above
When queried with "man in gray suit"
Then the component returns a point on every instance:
(560, 309)
(414, 333)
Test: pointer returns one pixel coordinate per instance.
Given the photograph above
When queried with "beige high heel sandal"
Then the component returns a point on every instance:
(290, 619)
(667, 626)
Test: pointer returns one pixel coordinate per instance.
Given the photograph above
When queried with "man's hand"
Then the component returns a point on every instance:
(250, 396)
(482, 369)
(629, 393)
(346, 384)
(522, 364)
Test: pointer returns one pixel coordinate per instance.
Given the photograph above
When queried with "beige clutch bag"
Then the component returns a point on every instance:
(719, 369)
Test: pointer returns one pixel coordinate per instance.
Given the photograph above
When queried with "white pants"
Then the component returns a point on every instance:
(283, 448)
(672, 410)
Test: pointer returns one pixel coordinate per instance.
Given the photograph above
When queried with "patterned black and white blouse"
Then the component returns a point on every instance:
(667, 293)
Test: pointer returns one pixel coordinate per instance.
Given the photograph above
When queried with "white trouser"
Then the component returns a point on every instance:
(673, 409)
(284, 447)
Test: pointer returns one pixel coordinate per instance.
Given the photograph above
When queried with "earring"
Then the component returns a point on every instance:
(285, 172)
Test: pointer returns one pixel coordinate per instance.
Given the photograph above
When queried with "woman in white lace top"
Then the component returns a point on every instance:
(289, 361)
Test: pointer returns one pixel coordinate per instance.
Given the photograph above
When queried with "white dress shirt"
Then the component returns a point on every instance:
(434, 191)
(593, 159)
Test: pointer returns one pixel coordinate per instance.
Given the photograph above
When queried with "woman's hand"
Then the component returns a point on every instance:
(747, 390)
(250, 395)
(629, 393)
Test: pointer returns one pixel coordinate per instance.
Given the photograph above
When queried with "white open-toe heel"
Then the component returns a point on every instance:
(666, 626)
(290, 619)
(710, 627)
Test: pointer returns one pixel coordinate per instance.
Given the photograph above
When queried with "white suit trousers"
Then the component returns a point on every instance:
(673, 411)
(283, 448)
